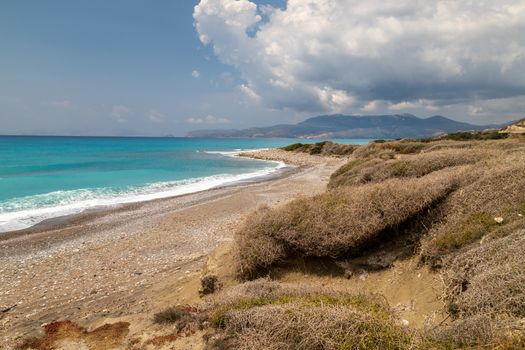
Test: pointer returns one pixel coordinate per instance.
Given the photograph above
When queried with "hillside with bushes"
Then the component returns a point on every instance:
(456, 206)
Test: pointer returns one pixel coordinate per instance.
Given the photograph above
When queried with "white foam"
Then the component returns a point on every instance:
(236, 152)
(73, 202)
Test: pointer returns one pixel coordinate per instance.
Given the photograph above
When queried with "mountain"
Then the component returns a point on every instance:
(348, 126)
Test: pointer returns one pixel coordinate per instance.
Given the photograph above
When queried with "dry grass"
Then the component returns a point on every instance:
(450, 192)
(495, 188)
(480, 332)
(269, 315)
(361, 171)
(326, 148)
(488, 279)
(186, 319)
(375, 149)
(337, 222)
(473, 135)
(171, 315)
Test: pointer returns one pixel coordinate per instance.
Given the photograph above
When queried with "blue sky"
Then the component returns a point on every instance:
(106, 67)
(115, 67)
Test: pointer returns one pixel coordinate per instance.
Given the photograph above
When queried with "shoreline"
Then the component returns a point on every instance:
(64, 221)
(63, 217)
(129, 262)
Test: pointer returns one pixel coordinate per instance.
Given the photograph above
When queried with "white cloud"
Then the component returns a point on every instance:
(402, 106)
(336, 55)
(371, 106)
(196, 74)
(155, 116)
(64, 104)
(210, 119)
(248, 92)
(119, 113)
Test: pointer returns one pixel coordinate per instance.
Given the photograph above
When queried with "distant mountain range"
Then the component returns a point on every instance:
(349, 126)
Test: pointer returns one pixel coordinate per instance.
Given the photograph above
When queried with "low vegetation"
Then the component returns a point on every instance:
(269, 315)
(487, 204)
(470, 136)
(308, 226)
(326, 148)
(360, 171)
(171, 315)
(488, 279)
(387, 149)
(462, 197)
(184, 319)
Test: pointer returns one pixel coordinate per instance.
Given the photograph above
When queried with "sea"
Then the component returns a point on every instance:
(47, 177)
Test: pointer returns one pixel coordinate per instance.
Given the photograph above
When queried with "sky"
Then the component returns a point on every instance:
(155, 68)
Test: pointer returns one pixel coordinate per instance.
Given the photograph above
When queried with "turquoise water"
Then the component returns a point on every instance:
(45, 177)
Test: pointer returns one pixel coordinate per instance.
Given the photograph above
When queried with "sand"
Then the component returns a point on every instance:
(129, 262)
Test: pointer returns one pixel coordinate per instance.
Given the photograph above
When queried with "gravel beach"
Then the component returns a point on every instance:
(131, 261)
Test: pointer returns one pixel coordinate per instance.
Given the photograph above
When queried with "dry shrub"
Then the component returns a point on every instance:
(480, 332)
(359, 171)
(326, 148)
(336, 149)
(372, 150)
(495, 188)
(291, 326)
(501, 145)
(187, 319)
(488, 279)
(254, 248)
(269, 315)
(171, 315)
(338, 222)
(356, 171)
(209, 285)
(264, 288)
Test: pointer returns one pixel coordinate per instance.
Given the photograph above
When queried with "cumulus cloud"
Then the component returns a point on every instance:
(195, 74)
(155, 116)
(337, 55)
(119, 113)
(209, 119)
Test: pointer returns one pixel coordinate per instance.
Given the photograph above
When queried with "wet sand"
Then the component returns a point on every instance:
(132, 261)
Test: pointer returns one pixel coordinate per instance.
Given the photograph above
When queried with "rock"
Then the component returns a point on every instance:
(499, 220)
(7, 309)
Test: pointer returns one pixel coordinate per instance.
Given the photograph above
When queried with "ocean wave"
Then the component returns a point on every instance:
(20, 213)
(234, 153)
